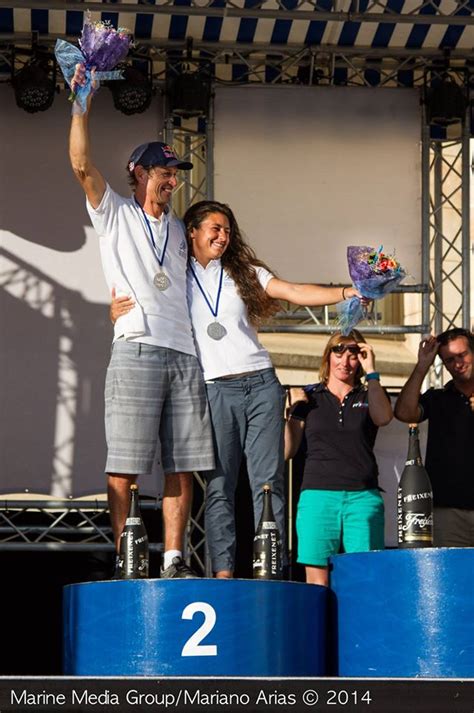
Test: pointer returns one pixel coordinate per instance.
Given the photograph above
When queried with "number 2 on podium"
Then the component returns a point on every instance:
(193, 646)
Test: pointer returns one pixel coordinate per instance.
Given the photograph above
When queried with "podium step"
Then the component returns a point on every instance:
(195, 627)
(415, 613)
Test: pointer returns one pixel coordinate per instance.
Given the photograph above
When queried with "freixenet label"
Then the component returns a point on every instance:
(417, 496)
(417, 520)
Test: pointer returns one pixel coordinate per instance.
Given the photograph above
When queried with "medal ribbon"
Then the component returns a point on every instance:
(161, 261)
(219, 290)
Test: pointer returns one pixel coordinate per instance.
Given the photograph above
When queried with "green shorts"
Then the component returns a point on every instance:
(333, 521)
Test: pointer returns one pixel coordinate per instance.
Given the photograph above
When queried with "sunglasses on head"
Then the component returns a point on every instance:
(341, 348)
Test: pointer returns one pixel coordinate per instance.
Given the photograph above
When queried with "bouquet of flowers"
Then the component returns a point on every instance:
(102, 47)
(374, 274)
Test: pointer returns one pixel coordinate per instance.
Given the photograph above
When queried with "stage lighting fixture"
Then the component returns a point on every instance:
(132, 94)
(35, 85)
(446, 101)
(189, 94)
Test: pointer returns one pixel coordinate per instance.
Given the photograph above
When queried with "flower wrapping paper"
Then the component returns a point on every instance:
(101, 48)
(375, 274)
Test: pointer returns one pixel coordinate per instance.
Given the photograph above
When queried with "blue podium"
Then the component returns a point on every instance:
(196, 627)
(404, 613)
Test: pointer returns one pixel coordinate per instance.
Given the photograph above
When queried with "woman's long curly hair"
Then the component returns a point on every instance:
(239, 260)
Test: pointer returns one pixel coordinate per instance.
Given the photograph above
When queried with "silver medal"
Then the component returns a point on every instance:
(161, 281)
(216, 330)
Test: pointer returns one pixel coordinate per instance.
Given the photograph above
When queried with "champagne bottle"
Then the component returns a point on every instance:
(267, 542)
(133, 550)
(414, 499)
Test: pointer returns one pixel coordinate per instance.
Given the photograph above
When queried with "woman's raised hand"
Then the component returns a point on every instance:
(366, 357)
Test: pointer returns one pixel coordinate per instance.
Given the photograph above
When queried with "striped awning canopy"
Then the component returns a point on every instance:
(317, 41)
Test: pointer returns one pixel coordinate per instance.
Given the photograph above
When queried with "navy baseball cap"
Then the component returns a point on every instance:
(156, 153)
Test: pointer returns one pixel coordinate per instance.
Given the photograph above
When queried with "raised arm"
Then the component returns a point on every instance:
(380, 408)
(407, 408)
(79, 151)
(310, 295)
(294, 428)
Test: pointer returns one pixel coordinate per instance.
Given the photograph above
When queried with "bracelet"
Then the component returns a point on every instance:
(373, 375)
(344, 293)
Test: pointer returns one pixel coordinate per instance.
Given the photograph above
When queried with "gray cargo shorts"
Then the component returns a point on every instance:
(155, 395)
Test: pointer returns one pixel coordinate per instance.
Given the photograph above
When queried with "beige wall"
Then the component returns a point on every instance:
(310, 171)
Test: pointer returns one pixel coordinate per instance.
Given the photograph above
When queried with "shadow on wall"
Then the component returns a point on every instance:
(42, 201)
(53, 299)
(39, 171)
(53, 360)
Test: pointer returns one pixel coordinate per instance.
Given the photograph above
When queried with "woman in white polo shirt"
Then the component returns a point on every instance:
(230, 292)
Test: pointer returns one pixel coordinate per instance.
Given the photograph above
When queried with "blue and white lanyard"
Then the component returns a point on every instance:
(163, 252)
(219, 290)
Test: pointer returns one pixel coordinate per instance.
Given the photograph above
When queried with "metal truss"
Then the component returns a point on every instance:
(260, 63)
(264, 63)
(191, 138)
(84, 525)
(305, 10)
(61, 525)
(449, 237)
(323, 320)
(196, 547)
(446, 253)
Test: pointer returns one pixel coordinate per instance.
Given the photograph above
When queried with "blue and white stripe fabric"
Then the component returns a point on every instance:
(225, 28)
(403, 29)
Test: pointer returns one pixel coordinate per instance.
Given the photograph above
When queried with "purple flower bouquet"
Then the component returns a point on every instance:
(102, 47)
(374, 274)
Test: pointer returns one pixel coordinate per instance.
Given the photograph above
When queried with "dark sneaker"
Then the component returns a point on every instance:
(178, 569)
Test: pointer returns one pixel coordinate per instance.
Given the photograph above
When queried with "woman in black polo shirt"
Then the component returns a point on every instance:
(340, 507)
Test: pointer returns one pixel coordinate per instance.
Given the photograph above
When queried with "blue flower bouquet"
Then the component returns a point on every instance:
(101, 48)
(374, 274)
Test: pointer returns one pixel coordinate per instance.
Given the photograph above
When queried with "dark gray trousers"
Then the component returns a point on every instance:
(247, 415)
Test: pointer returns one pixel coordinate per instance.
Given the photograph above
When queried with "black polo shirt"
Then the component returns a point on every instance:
(339, 440)
(450, 446)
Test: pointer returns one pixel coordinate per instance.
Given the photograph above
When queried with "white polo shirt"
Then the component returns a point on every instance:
(130, 264)
(239, 351)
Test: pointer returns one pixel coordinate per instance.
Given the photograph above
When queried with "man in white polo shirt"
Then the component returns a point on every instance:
(154, 388)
